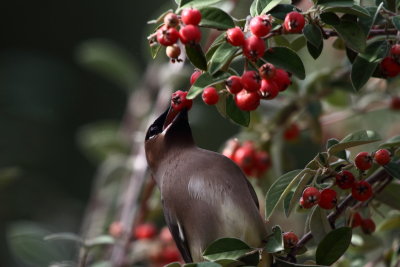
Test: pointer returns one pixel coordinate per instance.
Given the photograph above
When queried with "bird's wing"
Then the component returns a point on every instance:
(178, 233)
(252, 192)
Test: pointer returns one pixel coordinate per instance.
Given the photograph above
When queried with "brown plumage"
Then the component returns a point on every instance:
(205, 195)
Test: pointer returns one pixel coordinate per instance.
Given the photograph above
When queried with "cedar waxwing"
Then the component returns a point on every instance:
(205, 195)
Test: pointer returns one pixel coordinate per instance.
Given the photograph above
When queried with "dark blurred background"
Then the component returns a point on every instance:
(46, 96)
(65, 65)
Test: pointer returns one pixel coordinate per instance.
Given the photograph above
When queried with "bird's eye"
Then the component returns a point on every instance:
(152, 132)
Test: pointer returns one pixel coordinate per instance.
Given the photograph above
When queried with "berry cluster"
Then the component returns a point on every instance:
(367, 225)
(390, 65)
(250, 88)
(184, 28)
(253, 162)
(364, 160)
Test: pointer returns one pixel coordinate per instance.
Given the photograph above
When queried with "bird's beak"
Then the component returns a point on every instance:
(174, 115)
(171, 115)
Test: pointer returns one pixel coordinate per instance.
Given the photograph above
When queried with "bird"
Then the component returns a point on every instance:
(205, 195)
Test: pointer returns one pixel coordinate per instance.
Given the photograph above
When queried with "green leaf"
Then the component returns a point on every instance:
(392, 223)
(313, 34)
(352, 34)
(330, 18)
(355, 139)
(281, 10)
(314, 51)
(197, 3)
(221, 57)
(353, 10)
(365, 63)
(256, 7)
(204, 81)
(202, 264)
(214, 46)
(270, 5)
(229, 263)
(64, 236)
(216, 18)
(333, 246)
(393, 169)
(396, 22)
(287, 59)
(390, 196)
(341, 154)
(100, 240)
(275, 241)
(319, 224)
(366, 23)
(237, 115)
(298, 43)
(392, 142)
(173, 264)
(282, 263)
(294, 202)
(196, 56)
(226, 248)
(335, 3)
(278, 190)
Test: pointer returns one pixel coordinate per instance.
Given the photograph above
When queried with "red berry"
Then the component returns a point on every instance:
(395, 51)
(190, 34)
(251, 80)
(235, 36)
(368, 226)
(196, 74)
(345, 179)
(247, 100)
(116, 229)
(210, 96)
(291, 132)
(231, 146)
(310, 196)
(267, 71)
(382, 157)
(356, 220)
(390, 67)
(234, 84)
(170, 254)
(294, 22)
(361, 191)
(245, 157)
(328, 199)
(253, 48)
(145, 231)
(282, 79)
(165, 235)
(191, 16)
(305, 205)
(179, 101)
(167, 36)
(263, 162)
(261, 25)
(363, 161)
(173, 51)
(290, 239)
(269, 89)
(171, 20)
(395, 103)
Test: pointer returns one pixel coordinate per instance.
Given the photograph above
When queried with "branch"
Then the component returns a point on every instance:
(349, 201)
